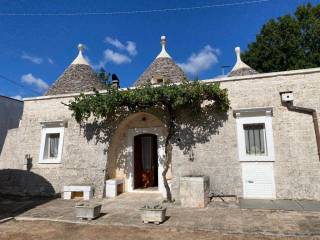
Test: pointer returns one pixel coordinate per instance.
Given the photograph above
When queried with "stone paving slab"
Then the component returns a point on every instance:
(256, 204)
(278, 204)
(309, 205)
(287, 205)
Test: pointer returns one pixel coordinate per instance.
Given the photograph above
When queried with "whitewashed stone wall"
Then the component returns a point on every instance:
(297, 166)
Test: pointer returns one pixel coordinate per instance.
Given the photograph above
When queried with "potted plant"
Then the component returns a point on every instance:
(87, 210)
(154, 213)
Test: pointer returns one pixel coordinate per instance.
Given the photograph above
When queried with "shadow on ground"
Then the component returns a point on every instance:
(11, 206)
(21, 190)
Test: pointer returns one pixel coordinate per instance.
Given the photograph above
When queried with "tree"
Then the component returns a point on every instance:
(104, 76)
(288, 43)
(167, 100)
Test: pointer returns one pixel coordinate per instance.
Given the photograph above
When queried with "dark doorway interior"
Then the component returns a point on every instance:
(145, 161)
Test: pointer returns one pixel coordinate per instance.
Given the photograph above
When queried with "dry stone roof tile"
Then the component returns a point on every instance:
(75, 79)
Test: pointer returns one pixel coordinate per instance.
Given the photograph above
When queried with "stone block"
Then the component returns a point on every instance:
(112, 187)
(194, 191)
(87, 191)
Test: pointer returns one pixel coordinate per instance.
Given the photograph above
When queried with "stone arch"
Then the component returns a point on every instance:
(120, 151)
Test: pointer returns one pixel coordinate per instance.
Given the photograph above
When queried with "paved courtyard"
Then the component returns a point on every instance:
(46, 230)
(226, 218)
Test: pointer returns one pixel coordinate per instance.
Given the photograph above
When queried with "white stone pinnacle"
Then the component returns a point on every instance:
(239, 64)
(163, 53)
(80, 58)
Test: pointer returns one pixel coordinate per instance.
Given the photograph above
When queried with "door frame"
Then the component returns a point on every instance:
(160, 133)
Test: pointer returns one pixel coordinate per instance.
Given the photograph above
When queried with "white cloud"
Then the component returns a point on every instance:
(130, 46)
(32, 80)
(200, 61)
(33, 59)
(114, 57)
(18, 97)
(115, 42)
(50, 60)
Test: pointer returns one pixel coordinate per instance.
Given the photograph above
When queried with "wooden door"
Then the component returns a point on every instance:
(145, 161)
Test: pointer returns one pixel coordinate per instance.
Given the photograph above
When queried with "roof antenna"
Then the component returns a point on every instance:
(223, 68)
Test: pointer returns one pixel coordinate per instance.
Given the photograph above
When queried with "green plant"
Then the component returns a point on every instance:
(287, 43)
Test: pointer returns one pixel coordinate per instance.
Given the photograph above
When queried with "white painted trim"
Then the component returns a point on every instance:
(44, 132)
(159, 132)
(248, 118)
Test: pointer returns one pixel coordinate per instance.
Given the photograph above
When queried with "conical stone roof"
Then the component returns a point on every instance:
(78, 77)
(162, 70)
(240, 68)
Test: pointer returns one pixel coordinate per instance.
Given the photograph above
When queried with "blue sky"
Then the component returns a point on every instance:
(35, 50)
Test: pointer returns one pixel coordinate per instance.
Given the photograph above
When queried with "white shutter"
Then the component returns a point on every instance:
(258, 180)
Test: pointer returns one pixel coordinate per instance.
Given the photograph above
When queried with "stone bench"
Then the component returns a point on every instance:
(113, 187)
(86, 190)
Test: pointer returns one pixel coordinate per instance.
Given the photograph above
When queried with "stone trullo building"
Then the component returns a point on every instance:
(263, 148)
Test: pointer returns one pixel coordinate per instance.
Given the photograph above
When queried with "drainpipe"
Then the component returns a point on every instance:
(287, 100)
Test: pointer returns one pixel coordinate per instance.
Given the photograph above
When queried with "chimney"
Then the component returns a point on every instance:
(115, 81)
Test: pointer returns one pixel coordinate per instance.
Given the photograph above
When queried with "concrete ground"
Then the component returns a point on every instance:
(11, 206)
(225, 218)
(46, 230)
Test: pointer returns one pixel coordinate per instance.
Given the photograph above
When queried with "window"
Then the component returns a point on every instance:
(159, 80)
(254, 134)
(51, 143)
(255, 139)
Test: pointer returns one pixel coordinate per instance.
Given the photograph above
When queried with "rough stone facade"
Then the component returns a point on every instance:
(296, 166)
(10, 112)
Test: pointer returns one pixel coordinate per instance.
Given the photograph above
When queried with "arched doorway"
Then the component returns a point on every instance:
(145, 155)
(121, 159)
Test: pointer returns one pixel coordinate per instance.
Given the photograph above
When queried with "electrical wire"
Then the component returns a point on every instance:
(137, 11)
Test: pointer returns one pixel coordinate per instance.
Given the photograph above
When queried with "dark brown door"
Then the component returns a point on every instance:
(145, 161)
